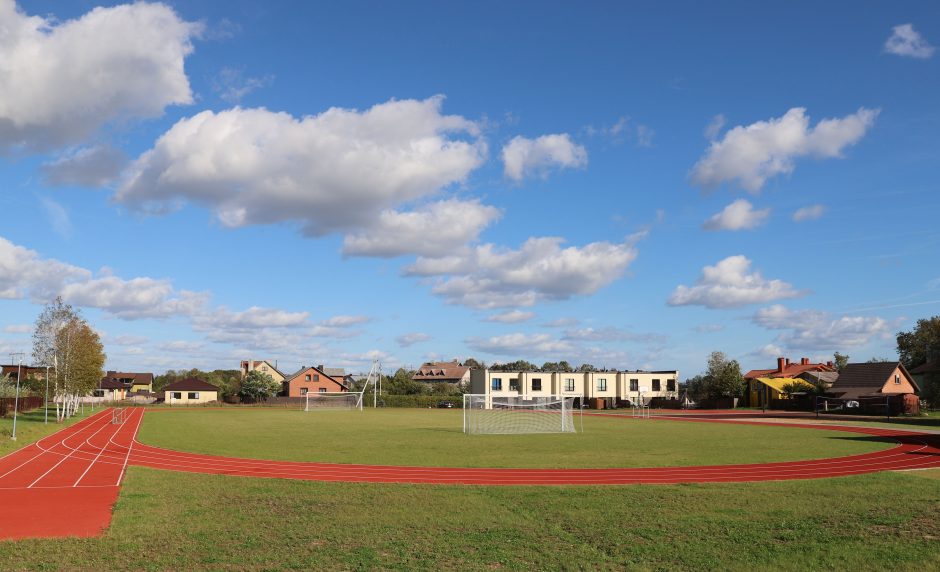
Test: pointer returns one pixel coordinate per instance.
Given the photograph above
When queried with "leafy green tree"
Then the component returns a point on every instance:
(723, 377)
(695, 387)
(473, 364)
(840, 361)
(920, 345)
(401, 383)
(876, 359)
(586, 367)
(258, 386)
(518, 365)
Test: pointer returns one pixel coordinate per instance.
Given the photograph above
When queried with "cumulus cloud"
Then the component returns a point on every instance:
(232, 84)
(253, 318)
(754, 153)
(344, 321)
(410, 339)
(61, 81)
(18, 329)
(811, 212)
(338, 327)
(25, 274)
(524, 157)
(739, 215)
(93, 166)
(612, 334)
(520, 344)
(335, 171)
(730, 284)
(511, 317)
(817, 330)
(434, 230)
(566, 322)
(906, 41)
(489, 277)
(714, 127)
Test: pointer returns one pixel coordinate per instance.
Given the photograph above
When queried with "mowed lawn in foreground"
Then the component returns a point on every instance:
(422, 437)
(177, 521)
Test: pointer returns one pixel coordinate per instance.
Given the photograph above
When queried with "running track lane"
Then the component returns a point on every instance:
(66, 484)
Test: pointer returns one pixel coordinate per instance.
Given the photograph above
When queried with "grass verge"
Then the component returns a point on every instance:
(174, 521)
(31, 427)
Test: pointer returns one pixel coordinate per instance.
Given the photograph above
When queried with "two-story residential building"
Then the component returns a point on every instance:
(609, 387)
(443, 371)
(312, 379)
(132, 382)
(264, 366)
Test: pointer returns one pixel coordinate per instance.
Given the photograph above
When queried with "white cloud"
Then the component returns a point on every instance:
(489, 277)
(410, 339)
(338, 327)
(511, 317)
(811, 212)
(344, 321)
(336, 171)
(93, 166)
(253, 318)
(524, 157)
(61, 81)
(520, 345)
(124, 340)
(135, 298)
(816, 330)
(612, 334)
(434, 230)
(739, 215)
(644, 136)
(181, 346)
(769, 351)
(709, 328)
(714, 127)
(232, 85)
(59, 220)
(24, 274)
(729, 284)
(905, 41)
(562, 323)
(754, 153)
(18, 329)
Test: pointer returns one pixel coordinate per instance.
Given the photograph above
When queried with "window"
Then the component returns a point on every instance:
(322, 390)
(177, 395)
(307, 377)
(670, 385)
(634, 385)
(303, 391)
(192, 395)
(316, 377)
(264, 368)
(657, 385)
(536, 384)
(514, 384)
(569, 384)
(496, 384)
(897, 379)
(602, 384)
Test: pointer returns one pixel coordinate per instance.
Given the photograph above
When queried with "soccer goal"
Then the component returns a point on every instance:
(118, 415)
(487, 414)
(333, 401)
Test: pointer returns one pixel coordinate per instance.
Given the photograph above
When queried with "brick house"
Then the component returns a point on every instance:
(311, 379)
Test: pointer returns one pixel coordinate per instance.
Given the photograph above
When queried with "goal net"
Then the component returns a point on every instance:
(333, 401)
(486, 414)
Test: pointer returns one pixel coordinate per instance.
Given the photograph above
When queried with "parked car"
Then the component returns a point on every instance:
(445, 404)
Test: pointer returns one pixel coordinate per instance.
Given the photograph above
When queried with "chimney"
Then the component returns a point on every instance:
(804, 361)
(829, 363)
(320, 367)
(781, 364)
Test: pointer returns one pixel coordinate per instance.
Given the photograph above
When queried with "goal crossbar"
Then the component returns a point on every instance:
(333, 401)
(488, 414)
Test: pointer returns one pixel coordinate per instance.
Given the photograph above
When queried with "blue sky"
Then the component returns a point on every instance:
(629, 185)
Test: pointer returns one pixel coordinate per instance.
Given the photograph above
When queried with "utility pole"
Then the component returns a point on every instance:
(46, 405)
(16, 399)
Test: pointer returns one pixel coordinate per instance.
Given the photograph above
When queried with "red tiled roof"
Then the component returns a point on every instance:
(792, 369)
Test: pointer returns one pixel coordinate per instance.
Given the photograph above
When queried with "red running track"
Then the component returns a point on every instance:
(67, 483)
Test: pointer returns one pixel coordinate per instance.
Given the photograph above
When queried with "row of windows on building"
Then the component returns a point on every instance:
(179, 395)
(497, 384)
(303, 390)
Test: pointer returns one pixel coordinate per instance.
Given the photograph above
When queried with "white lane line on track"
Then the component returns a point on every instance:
(74, 429)
(140, 418)
(63, 459)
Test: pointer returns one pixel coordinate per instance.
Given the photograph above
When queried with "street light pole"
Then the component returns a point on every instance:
(16, 399)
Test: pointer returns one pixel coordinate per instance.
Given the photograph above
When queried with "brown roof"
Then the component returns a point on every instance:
(862, 378)
(108, 383)
(303, 369)
(144, 378)
(190, 384)
(441, 371)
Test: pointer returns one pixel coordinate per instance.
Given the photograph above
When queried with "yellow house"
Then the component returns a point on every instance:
(763, 389)
(190, 391)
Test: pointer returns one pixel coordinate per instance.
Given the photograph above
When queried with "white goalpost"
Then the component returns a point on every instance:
(333, 401)
(487, 414)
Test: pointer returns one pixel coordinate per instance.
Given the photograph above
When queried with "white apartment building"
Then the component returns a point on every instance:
(612, 386)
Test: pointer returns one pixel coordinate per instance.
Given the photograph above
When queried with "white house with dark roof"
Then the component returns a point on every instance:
(190, 391)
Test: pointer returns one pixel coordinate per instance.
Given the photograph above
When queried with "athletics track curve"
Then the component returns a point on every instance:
(66, 484)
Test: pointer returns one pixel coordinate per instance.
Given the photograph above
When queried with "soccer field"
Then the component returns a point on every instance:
(432, 437)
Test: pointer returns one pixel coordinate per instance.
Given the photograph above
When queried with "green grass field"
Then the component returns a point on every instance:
(422, 437)
(177, 521)
(30, 427)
